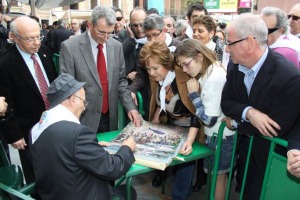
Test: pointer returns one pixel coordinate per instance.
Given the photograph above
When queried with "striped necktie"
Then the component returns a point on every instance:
(43, 86)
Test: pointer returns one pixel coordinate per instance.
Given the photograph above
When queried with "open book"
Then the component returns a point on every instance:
(157, 144)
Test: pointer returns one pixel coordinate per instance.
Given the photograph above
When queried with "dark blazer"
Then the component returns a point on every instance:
(131, 53)
(294, 138)
(275, 92)
(56, 36)
(69, 163)
(3, 37)
(21, 92)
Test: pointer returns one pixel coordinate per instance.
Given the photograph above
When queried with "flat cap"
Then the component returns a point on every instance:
(62, 88)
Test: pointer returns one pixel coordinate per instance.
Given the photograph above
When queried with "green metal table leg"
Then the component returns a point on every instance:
(128, 188)
(163, 183)
(120, 181)
(246, 168)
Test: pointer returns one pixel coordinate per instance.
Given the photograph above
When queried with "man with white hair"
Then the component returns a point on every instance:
(261, 94)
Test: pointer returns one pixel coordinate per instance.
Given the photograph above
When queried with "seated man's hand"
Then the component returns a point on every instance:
(103, 143)
(130, 142)
(293, 162)
(265, 125)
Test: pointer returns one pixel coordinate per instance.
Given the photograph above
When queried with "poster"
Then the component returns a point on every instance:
(157, 144)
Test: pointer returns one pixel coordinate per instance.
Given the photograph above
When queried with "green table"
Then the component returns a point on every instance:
(199, 151)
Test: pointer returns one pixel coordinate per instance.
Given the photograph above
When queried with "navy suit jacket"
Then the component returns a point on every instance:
(21, 92)
(130, 51)
(294, 139)
(275, 92)
(69, 163)
(56, 36)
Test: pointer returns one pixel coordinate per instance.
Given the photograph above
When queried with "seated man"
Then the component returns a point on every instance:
(68, 162)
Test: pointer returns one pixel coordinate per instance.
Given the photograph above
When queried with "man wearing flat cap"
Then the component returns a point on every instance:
(68, 162)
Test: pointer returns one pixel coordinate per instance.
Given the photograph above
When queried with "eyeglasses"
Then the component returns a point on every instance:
(31, 39)
(153, 35)
(186, 65)
(103, 33)
(294, 17)
(119, 18)
(232, 43)
(272, 30)
(137, 25)
(85, 102)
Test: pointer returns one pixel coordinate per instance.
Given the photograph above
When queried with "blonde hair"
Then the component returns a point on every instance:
(157, 51)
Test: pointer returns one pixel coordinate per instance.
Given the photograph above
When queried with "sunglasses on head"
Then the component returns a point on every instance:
(294, 17)
(119, 18)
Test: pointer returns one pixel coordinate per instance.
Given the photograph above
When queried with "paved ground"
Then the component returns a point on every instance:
(142, 184)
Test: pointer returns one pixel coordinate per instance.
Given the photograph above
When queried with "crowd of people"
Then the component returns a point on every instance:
(193, 72)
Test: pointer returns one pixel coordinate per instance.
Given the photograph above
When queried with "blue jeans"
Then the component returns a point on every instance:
(183, 180)
(226, 153)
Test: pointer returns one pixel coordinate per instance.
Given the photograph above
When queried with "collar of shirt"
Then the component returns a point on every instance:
(189, 32)
(29, 62)
(140, 41)
(257, 66)
(94, 46)
(168, 40)
(49, 117)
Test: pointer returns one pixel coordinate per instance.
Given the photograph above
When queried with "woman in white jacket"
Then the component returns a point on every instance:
(207, 73)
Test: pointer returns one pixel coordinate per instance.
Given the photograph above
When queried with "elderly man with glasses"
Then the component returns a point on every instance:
(80, 167)
(26, 71)
(261, 94)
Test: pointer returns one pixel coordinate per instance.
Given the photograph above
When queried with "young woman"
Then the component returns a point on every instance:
(170, 99)
(206, 73)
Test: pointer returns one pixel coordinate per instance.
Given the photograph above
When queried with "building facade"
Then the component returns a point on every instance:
(174, 8)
